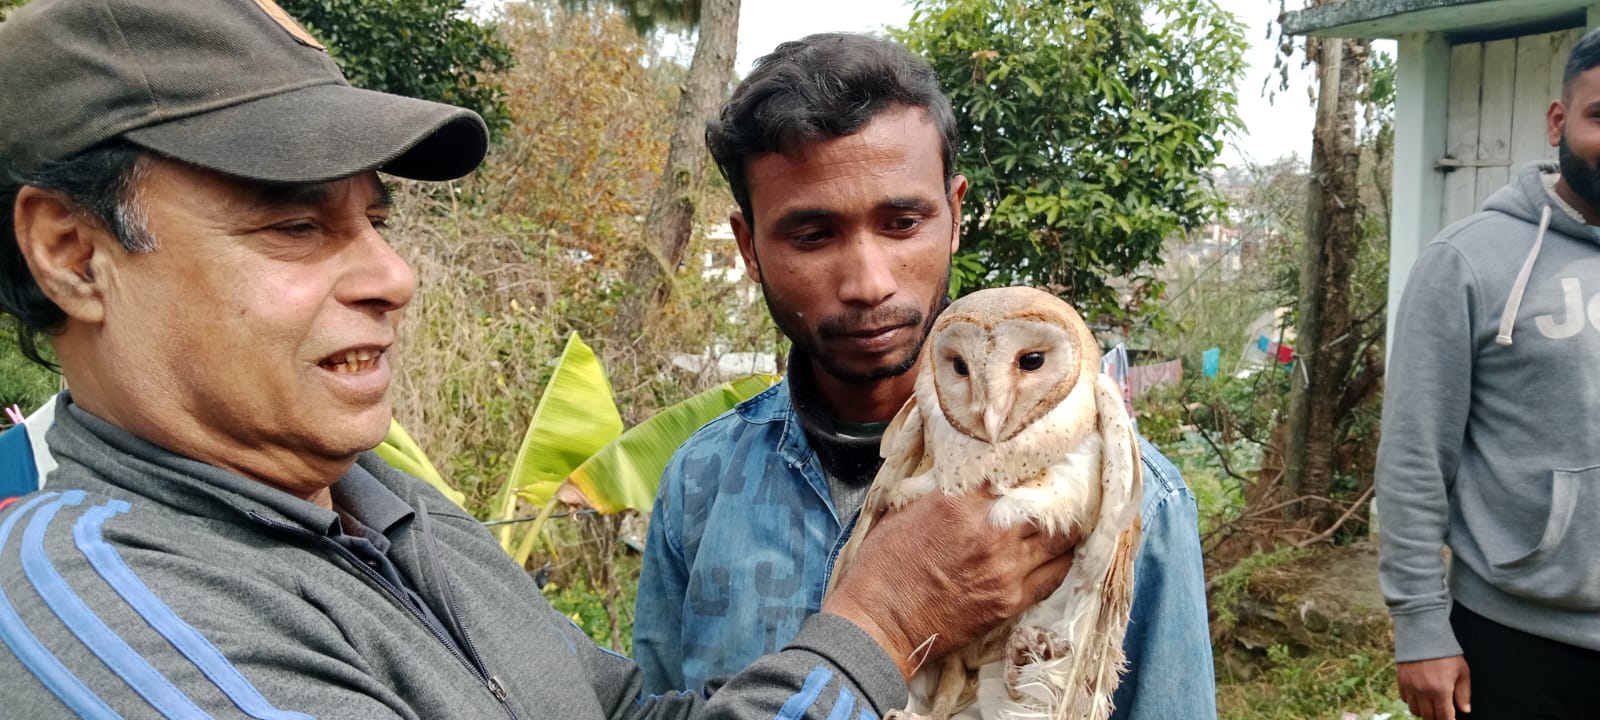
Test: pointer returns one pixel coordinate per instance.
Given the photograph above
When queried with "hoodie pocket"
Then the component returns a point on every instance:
(1563, 569)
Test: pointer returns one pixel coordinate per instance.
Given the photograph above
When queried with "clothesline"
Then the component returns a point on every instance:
(1136, 380)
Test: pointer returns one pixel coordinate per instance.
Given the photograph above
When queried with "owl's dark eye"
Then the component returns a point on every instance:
(961, 367)
(1031, 361)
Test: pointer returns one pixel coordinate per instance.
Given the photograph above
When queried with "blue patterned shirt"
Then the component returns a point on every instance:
(743, 532)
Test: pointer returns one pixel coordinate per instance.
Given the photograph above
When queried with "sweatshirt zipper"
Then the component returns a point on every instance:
(432, 551)
(476, 667)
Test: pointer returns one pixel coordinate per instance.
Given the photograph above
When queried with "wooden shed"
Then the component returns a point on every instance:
(1474, 79)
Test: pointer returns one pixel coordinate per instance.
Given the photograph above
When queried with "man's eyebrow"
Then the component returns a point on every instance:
(304, 194)
(800, 216)
(292, 193)
(913, 204)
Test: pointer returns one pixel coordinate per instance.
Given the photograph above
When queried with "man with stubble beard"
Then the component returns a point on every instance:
(839, 150)
(1488, 443)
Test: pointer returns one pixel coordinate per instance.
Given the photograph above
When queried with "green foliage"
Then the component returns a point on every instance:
(1218, 492)
(1088, 128)
(646, 16)
(586, 607)
(592, 578)
(430, 49)
(23, 382)
(529, 251)
(576, 439)
(625, 473)
(1232, 585)
(575, 417)
(1357, 683)
(1379, 100)
(399, 450)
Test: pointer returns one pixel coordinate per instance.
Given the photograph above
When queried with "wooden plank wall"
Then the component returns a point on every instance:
(1499, 93)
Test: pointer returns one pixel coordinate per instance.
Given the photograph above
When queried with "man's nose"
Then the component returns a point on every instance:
(379, 276)
(868, 272)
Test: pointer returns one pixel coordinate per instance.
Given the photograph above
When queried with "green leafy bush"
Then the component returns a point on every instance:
(430, 49)
(1088, 129)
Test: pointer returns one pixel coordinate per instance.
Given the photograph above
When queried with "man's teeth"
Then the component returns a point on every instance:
(354, 361)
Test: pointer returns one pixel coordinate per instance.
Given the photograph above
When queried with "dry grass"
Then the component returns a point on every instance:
(526, 251)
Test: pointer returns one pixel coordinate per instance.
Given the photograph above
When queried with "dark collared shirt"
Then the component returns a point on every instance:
(368, 514)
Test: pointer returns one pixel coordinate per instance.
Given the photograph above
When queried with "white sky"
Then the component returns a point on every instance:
(1274, 129)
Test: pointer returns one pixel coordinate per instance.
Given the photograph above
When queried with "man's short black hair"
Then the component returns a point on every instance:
(822, 86)
(101, 182)
(1584, 57)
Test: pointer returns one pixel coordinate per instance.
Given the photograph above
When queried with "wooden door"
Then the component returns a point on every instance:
(1499, 93)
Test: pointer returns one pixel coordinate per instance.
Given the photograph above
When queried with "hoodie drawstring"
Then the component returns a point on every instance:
(1514, 300)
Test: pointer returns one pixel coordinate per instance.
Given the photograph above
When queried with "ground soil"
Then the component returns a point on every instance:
(1327, 599)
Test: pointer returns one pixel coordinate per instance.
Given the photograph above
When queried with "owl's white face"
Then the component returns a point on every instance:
(995, 379)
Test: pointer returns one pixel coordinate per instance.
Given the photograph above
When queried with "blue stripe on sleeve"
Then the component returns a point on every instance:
(843, 706)
(87, 532)
(112, 650)
(26, 646)
(802, 701)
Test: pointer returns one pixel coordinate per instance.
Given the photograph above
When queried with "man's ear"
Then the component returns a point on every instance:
(958, 192)
(1555, 120)
(744, 235)
(58, 241)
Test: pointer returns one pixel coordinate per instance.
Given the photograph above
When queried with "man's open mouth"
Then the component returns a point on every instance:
(352, 361)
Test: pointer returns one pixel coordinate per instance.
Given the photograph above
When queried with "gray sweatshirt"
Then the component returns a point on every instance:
(142, 584)
(1491, 427)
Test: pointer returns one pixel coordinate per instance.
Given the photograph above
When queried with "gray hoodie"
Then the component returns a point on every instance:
(143, 584)
(1491, 427)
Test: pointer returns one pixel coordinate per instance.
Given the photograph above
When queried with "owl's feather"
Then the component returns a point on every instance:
(1009, 397)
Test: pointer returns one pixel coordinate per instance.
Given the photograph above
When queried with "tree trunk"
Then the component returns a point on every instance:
(1324, 339)
(669, 222)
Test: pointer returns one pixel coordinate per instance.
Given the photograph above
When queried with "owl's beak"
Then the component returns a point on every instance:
(992, 418)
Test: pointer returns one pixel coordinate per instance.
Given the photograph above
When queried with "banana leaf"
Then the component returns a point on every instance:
(399, 450)
(624, 474)
(576, 416)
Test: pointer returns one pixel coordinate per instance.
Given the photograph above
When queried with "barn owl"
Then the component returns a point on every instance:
(1009, 395)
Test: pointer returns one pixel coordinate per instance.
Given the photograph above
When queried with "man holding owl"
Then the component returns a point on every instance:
(839, 150)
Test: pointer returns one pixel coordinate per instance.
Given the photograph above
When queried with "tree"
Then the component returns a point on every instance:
(589, 107)
(1088, 131)
(1339, 330)
(668, 223)
(429, 49)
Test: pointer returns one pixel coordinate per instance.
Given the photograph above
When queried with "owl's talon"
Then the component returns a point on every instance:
(1028, 645)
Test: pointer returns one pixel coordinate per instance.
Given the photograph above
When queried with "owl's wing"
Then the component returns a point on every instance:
(902, 448)
(1121, 475)
(903, 455)
(1121, 479)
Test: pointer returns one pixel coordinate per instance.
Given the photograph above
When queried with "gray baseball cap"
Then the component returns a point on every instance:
(234, 86)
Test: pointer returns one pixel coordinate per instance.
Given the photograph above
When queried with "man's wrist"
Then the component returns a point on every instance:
(893, 644)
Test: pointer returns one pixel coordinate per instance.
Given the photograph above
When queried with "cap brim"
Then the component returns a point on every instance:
(323, 133)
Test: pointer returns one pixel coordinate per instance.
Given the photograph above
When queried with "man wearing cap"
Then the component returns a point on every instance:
(190, 215)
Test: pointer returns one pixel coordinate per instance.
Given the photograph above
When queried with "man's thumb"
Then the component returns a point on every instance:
(1464, 690)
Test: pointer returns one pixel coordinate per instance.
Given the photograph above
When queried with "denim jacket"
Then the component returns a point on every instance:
(741, 538)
